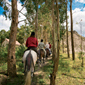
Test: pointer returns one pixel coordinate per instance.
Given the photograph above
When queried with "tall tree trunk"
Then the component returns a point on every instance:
(67, 31)
(82, 64)
(36, 22)
(53, 34)
(63, 41)
(53, 75)
(72, 40)
(11, 66)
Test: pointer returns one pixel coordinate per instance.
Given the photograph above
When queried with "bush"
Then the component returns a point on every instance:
(64, 65)
(3, 51)
(81, 54)
(20, 51)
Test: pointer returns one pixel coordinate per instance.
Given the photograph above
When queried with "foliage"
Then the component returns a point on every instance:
(3, 51)
(20, 51)
(62, 31)
(3, 35)
(64, 65)
(80, 54)
(6, 9)
(23, 33)
(76, 76)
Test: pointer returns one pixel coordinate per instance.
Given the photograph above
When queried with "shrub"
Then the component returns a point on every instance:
(20, 51)
(3, 51)
(64, 65)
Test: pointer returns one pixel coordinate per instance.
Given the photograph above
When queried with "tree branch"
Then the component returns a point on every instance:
(23, 5)
(21, 20)
(19, 11)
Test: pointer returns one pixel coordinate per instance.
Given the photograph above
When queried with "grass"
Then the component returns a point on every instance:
(69, 72)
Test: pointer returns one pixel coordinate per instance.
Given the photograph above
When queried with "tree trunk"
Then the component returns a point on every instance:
(67, 32)
(36, 22)
(11, 66)
(53, 34)
(72, 40)
(63, 41)
(82, 64)
(56, 61)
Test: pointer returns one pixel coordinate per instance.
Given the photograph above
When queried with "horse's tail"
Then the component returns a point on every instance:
(28, 78)
(28, 70)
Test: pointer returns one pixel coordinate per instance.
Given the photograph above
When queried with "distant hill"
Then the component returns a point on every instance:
(77, 42)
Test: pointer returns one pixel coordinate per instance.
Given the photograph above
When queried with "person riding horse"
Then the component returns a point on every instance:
(47, 50)
(41, 45)
(30, 58)
(50, 48)
(32, 42)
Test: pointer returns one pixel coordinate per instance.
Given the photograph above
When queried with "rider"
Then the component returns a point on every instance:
(41, 45)
(32, 42)
(49, 47)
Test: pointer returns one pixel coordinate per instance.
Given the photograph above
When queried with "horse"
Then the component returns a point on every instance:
(47, 53)
(29, 60)
(41, 55)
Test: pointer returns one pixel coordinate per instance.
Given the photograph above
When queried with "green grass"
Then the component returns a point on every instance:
(69, 72)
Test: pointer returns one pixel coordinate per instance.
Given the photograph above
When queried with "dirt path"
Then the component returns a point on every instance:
(39, 72)
(3, 78)
(43, 64)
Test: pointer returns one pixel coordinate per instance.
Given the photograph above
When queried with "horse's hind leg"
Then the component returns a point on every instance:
(40, 59)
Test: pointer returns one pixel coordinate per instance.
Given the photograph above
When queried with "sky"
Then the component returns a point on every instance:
(78, 10)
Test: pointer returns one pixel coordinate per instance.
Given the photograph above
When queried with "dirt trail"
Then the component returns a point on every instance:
(3, 78)
(38, 71)
(43, 64)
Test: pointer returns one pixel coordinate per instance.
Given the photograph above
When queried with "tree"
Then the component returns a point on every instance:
(11, 66)
(67, 31)
(62, 17)
(72, 39)
(56, 61)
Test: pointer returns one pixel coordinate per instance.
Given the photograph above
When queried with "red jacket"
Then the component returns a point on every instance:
(49, 45)
(31, 42)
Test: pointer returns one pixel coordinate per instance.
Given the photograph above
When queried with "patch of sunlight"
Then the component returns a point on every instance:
(17, 66)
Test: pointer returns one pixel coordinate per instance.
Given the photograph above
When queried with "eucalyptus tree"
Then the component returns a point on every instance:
(62, 12)
(67, 31)
(56, 60)
(44, 18)
(72, 38)
(32, 8)
(11, 61)
(11, 66)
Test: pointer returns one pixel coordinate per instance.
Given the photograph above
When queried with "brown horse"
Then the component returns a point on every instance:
(41, 55)
(47, 53)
